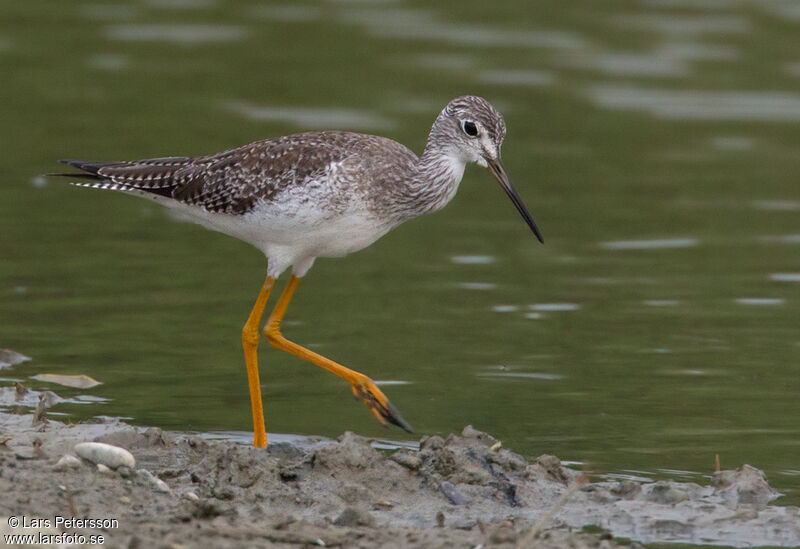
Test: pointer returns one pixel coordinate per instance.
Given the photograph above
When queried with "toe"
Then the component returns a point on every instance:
(393, 416)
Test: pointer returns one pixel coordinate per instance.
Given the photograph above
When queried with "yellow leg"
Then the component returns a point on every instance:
(250, 345)
(362, 386)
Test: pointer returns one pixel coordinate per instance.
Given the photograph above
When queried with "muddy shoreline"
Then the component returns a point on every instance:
(465, 490)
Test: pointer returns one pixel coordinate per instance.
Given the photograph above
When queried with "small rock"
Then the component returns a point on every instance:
(223, 492)
(283, 522)
(508, 460)
(67, 461)
(284, 451)
(352, 493)
(124, 500)
(108, 455)
(208, 509)
(154, 436)
(444, 462)
(552, 465)
(124, 472)
(191, 496)
(744, 485)
(434, 442)
(470, 432)
(598, 493)
(663, 492)
(288, 472)
(504, 533)
(453, 494)
(383, 504)
(160, 486)
(353, 517)
(156, 483)
(671, 528)
(10, 358)
(406, 459)
(351, 452)
(104, 470)
(626, 489)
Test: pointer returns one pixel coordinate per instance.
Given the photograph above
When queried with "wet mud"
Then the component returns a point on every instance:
(464, 490)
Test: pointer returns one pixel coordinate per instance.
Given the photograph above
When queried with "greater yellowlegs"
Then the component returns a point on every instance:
(317, 194)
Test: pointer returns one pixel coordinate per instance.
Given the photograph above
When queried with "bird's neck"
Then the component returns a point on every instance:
(437, 175)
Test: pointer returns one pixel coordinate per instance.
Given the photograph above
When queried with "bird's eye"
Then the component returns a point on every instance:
(469, 128)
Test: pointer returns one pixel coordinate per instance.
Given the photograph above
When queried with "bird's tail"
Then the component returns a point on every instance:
(88, 169)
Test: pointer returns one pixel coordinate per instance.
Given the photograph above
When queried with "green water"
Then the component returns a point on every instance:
(634, 121)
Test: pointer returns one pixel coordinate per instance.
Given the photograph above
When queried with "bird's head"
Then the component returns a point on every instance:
(475, 128)
(474, 131)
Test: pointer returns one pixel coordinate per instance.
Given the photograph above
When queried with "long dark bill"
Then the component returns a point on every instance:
(502, 177)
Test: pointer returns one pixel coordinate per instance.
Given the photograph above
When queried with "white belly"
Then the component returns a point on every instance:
(294, 238)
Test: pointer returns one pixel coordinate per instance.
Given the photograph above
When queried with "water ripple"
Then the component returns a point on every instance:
(287, 13)
(447, 61)
(650, 244)
(777, 205)
(522, 375)
(479, 286)
(661, 302)
(733, 143)
(505, 308)
(686, 24)
(181, 33)
(774, 106)
(631, 64)
(780, 239)
(693, 4)
(109, 12)
(422, 25)
(182, 4)
(760, 301)
(554, 307)
(311, 117)
(473, 259)
(785, 277)
(107, 61)
(518, 77)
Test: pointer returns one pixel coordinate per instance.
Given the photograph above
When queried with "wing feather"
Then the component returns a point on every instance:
(234, 181)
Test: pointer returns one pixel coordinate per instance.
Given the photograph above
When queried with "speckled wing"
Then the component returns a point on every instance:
(229, 182)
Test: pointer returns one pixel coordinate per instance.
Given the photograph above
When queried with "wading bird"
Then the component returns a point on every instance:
(316, 194)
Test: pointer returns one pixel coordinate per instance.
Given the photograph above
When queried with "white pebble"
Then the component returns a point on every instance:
(104, 470)
(157, 484)
(160, 486)
(108, 455)
(67, 461)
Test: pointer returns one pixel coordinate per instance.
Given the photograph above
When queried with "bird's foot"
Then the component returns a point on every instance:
(378, 404)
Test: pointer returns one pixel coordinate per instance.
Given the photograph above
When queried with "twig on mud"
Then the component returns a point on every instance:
(539, 525)
(73, 511)
(40, 414)
(294, 539)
